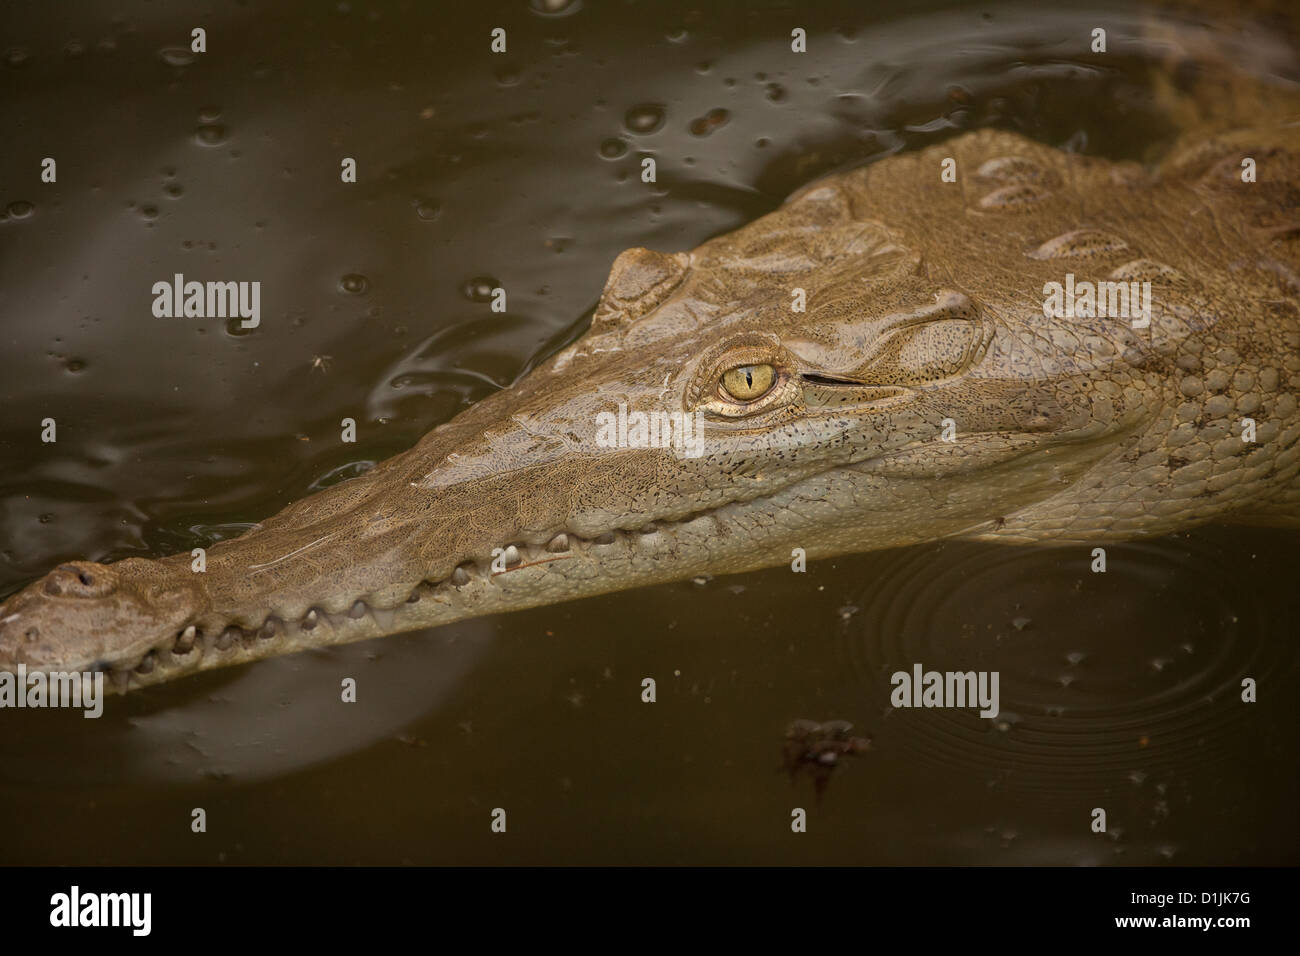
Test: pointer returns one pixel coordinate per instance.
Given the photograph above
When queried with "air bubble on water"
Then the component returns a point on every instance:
(15, 56)
(210, 134)
(613, 148)
(507, 76)
(209, 114)
(677, 35)
(176, 56)
(1020, 623)
(701, 580)
(75, 365)
(555, 8)
(775, 92)
(354, 283)
(20, 209)
(1006, 721)
(479, 288)
(1075, 658)
(428, 210)
(644, 119)
(174, 190)
(148, 213)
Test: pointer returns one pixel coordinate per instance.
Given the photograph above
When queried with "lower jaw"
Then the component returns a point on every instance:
(527, 576)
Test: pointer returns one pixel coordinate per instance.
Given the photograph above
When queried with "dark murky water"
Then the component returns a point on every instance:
(1118, 690)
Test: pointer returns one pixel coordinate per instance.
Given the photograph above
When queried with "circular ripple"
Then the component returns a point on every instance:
(1102, 676)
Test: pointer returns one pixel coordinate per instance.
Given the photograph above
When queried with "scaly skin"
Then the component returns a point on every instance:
(924, 303)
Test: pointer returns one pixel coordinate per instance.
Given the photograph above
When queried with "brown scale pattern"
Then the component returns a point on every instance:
(924, 306)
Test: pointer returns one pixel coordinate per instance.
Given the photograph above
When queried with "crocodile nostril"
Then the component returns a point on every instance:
(71, 580)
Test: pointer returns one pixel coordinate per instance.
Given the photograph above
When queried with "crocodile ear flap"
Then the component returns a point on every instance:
(639, 280)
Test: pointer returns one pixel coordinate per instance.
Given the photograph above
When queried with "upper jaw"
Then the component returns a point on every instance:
(84, 616)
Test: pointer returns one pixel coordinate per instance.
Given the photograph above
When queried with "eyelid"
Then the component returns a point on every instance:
(755, 348)
(751, 355)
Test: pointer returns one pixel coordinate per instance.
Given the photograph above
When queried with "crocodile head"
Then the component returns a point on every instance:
(84, 616)
(869, 366)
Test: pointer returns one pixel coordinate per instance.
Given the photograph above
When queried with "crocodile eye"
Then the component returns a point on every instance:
(746, 383)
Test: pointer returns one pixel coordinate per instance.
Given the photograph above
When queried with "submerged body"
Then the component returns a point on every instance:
(923, 392)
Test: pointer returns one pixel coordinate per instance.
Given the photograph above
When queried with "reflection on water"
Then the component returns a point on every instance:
(249, 723)
(1119, 690)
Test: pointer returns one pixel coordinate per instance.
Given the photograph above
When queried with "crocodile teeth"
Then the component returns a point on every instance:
(185, 641)
(268, 628)
(358, 610)
(460, 577)
(606, 538)
(559, 543)
(511, 556)
(310, 620)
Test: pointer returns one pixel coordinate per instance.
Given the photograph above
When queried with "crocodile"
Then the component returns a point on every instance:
(874, 364)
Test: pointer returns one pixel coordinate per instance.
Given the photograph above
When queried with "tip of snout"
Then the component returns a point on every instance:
(78, 579)
(84, 616)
